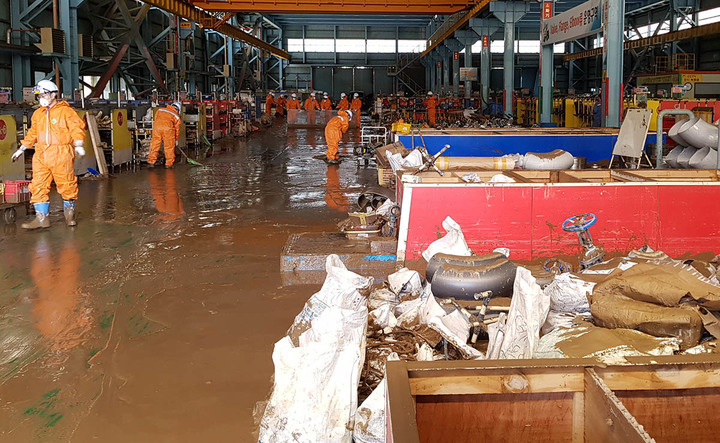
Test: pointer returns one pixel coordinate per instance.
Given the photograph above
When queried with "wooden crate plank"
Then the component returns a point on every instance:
(668, 377)
(606, 419)
(682, 415)
(537, 418)
(401, 418)
(578, 435)
(498, 382)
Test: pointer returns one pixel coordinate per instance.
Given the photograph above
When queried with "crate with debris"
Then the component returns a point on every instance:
(16, 191)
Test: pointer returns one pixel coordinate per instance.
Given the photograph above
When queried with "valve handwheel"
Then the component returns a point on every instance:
(579, 222)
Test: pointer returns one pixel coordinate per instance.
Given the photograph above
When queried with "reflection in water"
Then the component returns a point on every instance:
(60, 309)
(165, 194)
(334, 195)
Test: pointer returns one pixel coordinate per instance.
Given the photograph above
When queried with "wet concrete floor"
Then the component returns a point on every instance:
(154, 319)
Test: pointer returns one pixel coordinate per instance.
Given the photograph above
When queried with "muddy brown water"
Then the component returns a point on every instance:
(154, 319)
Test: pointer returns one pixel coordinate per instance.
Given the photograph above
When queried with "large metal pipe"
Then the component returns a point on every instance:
(659, 140)
(699, 133)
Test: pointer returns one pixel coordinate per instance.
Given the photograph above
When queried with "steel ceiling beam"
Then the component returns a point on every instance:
(412, 7)
(455, 22)
(192, 13)
(685, 34)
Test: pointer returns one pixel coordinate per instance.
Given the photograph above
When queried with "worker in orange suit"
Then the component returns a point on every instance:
(334, 195)
(165, 195)
(356, 106)
(326, 104)
(311, 105)
(269, 103)
(166, 129)
(280, 105)
(292, 106)
(344, 104)
(57, 133)
(430, 103)
(336, 127)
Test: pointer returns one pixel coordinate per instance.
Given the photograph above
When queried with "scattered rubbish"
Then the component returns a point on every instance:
(318, 363)
(607, 345)
(452, 243)
(517, 334)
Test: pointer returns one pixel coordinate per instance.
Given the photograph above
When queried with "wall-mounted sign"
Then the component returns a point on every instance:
(573, 24)
(468, 74)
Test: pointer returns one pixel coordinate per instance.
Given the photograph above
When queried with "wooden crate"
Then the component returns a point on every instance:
(663, 399)
(386, 177)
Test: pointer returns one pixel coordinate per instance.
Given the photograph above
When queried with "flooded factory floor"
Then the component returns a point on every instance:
(154, 319)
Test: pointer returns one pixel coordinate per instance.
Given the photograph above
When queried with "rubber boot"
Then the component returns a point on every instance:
(42, 219)
(69, 211)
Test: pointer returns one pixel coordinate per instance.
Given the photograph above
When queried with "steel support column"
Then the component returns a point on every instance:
(468, 38)
(455, 46)
(444, 55)
(485, 28)
(613, 27)
(509, 13)
(546, 79)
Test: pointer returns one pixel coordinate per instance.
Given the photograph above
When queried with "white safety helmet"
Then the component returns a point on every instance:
(356, 95)
(312, 94)
(325, 94)
(349, 113)
(430, 93)
(294, 96)
(177, 106)
(342, 95)
(272, 93)
(45, 87)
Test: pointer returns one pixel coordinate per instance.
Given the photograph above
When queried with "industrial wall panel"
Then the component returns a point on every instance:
(383, 82)
(364, 80)
(342, 81)
(323, 80)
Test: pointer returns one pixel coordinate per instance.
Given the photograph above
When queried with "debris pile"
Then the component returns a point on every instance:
(334, 356)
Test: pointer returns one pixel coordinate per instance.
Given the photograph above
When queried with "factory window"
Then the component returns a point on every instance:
(381, 46)
(295, 45)
(559, 48)
(319, 45)
(349, 45)
(414, 46)
(709, 16)
(527, 46)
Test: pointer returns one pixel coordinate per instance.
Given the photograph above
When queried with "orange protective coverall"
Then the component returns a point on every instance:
(293, 103)
(431, 104)
(326, 104)
(334, 131)
(166, 130)
(344, 104)
(311, 104)
(54, 132)
(280, 106)
(356, 105)
(269, 102)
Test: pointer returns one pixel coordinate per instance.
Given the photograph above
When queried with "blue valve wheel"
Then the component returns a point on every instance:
(579, 223)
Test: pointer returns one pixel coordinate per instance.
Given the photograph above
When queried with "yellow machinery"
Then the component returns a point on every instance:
(8, 145)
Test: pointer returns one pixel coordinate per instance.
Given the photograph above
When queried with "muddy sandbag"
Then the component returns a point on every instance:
(613, 310)
(663, 284)
(606, 345)
(555, 160)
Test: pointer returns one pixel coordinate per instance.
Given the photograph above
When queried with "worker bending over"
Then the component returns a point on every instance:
(336, 127)
(57, 133)
(269, 103)
(166, 129)
(431, 104)
(344, 104)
